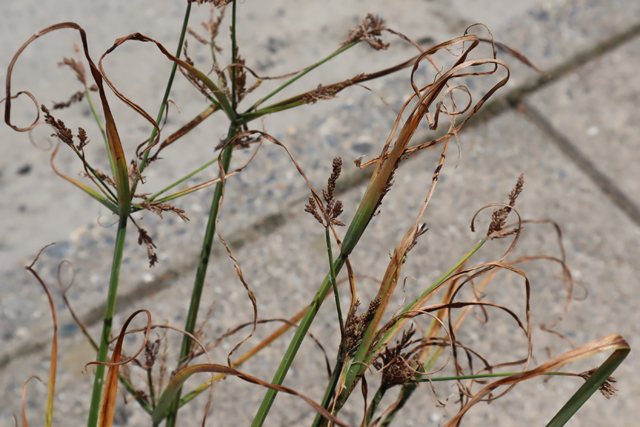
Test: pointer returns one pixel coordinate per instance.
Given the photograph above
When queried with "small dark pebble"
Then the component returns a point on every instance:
(24, 169)
(362, 147)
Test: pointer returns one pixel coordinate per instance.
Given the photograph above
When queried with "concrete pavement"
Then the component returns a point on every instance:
(573, 136)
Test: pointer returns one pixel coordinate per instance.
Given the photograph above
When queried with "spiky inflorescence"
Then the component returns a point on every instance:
(607, 388)
(312, 208)
(398, 367)
(369, 31)
(76, 66)
(143, 237)
(328, 215)
(321, 92)
(75, 98)
(499, 216)
(419, 232)
(356, 326)
(216, 3)
(157, 208)
(63, 132)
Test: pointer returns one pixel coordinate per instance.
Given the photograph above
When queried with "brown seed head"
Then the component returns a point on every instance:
(499, 216)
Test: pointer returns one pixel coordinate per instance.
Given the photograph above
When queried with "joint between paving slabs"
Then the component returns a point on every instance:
(606, 185)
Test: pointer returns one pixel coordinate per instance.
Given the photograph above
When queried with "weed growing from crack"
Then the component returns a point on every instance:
(366, 339)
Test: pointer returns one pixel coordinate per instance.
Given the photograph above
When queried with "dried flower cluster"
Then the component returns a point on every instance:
(143, 237)
(499, 217)
(64, 133)
(398, 367)
(356, 325)
(369, 31)
(607, 388)
(328, 215)
(157, 208)
(76, 66)
(321, 92)
(216, 3)
(419, 232)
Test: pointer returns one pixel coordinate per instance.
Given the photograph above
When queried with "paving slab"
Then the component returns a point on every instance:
(594, 108)
(315, 134)
(315, 137)
(285, 268)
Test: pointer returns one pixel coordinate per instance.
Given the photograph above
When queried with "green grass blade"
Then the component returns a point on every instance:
(589, 387)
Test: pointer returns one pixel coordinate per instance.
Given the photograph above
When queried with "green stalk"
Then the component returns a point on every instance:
(357, 227)
(201, 273)
(98, 383)
(180, 181)
(96, 176)
(167, 90)
(374, 404)
(234, 46)
(152, 394)
(247, 117)
(299, 336)
(302, 74)
(172, 414)
(332, 272)
(328, 394)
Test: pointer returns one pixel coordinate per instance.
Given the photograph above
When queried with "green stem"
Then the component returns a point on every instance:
(201, 273)
(247, 117)
(98, 383)
(154, 132)
(302, 74)
(95, 174)
(375, 402)
(234, 47)
(299, 336)
(152, 394)
(332, 272)
(180, 181)
(357, 227)
(330, 391)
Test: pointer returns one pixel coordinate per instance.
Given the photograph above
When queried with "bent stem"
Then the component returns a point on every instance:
(98, 383)
(198, 285)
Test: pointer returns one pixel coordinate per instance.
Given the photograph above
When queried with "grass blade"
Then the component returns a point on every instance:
(594, 382)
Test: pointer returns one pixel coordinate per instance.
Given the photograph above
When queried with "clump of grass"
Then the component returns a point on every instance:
(366, 338)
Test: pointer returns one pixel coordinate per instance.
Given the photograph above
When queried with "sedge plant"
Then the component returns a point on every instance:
(366, 339)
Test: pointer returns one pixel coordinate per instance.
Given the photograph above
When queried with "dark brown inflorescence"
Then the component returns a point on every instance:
(398, 367)
(369, 31)
(499, 217)
(607, 388)
(63, 132)
(357, 325)
(328, 215)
